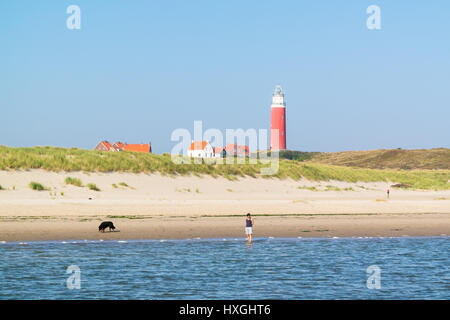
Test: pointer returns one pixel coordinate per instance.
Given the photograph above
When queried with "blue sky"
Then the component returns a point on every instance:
(137, 70)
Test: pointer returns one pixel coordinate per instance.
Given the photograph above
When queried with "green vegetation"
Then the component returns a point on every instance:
(332, 188)
(438, 158)
(93, 187)
(1, 188)
(327, 188)
(69, 160)
(313, 188)
(295, 155)
(37, 186)
(74, 181)
(123, 184)
(114, 185)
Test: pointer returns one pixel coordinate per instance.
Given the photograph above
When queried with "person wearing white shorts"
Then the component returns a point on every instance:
(249, 222)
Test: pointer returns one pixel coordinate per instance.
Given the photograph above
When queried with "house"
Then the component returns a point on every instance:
(233, 149)
(219, 152)
(200, 149)
(141, 147)
(105, 146)
(121, 146)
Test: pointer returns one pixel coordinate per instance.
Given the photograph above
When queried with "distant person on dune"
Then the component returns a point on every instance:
(387, 193)
(249, 222)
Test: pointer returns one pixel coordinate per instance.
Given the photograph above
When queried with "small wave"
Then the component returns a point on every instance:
(122, 241)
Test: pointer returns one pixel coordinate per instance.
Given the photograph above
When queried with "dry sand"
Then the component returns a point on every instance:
(158, 207)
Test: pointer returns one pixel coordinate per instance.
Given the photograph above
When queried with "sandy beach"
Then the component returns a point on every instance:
(152, 206)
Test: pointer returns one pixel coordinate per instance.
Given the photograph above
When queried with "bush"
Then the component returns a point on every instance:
(37, 186)
(74, 181)
(92, 186)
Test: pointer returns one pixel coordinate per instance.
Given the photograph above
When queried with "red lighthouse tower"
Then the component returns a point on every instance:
(278, 121)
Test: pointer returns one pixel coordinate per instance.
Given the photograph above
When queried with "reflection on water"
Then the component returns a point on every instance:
(227, 269)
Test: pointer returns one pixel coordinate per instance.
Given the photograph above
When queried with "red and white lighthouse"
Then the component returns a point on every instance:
(278, 121)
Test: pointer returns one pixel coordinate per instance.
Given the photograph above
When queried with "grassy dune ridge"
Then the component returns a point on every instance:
(438, 158)
(62, 159)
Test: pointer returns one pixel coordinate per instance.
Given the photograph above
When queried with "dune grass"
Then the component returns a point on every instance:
(313, 188)
(438, 158)
(93, 186)
(37, 186)
(74, 160)
(74, 181)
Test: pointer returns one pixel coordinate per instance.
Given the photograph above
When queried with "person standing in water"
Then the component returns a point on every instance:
(249, 222)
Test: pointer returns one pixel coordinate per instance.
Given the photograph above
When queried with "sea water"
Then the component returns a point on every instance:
(327, 268)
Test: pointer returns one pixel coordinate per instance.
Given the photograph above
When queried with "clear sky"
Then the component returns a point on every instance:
(137, 70)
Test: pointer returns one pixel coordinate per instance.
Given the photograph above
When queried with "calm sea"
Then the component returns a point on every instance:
(402, 268)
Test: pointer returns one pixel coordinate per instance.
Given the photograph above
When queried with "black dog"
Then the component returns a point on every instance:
(106, 224)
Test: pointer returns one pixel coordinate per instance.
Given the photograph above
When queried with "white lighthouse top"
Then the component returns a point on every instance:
(278, 98)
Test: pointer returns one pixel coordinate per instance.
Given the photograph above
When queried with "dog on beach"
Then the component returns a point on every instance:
(106, 224)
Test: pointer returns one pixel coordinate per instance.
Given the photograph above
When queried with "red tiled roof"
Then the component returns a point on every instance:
(234, 148)
(137, 147)
(198, 145)
(119, 145)
(105, 143)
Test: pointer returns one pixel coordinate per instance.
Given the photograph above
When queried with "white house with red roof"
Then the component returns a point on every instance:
(200, 149)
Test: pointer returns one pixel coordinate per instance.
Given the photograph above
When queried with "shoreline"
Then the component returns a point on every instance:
(157, 228)
(198, 239)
